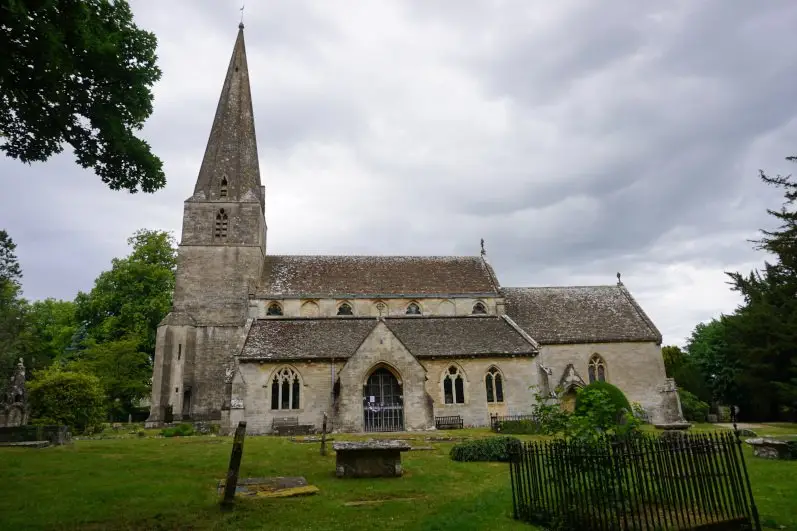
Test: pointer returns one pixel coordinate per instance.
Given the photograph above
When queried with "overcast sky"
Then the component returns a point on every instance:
(578, 138)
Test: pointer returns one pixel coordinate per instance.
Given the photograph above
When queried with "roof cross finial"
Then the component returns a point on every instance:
(241, 24)
(483, 252)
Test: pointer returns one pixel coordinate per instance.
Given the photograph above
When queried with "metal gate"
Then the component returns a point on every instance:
(382, 402)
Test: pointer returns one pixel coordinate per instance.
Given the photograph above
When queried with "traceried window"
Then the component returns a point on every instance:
(597, 369)
(285, 389)
(479, 309)
(413, 309)
(345, 309)
(495, 385)
(221, 224)
(223, 192)
(274, 309)
(453, 386)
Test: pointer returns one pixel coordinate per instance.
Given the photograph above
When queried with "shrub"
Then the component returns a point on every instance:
(71, 398)
(601, 410)
(616, 397)
(693, 408)
(181, 430)
(488, 449)
(548, 415)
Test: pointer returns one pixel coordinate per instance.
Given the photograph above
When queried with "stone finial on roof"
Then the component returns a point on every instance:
(483, 252)
(619, 282)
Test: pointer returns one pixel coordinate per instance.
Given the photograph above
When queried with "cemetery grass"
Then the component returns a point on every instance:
(170, 483)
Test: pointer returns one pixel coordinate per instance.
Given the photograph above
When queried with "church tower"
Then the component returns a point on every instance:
(219, 263)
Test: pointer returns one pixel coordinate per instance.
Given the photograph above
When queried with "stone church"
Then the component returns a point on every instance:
(379, 343)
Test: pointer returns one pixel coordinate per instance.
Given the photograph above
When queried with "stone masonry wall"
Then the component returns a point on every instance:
(636, 368)
(517, 375)
(315, 397)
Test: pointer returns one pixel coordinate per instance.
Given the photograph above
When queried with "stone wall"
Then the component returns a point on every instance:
(636, 368)
(421, 383)
(517, 375)
(367, 307)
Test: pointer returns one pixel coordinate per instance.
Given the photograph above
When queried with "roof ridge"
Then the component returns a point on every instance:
(472, 257)
(562, 287)
(525, 335)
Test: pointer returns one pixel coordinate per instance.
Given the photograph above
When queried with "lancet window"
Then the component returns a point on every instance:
(453, 386)
(597, 369)
(495, 385)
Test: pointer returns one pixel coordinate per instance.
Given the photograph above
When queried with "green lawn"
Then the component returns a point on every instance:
(157, 483)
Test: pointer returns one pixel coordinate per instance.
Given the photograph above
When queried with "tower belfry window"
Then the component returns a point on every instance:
(223, 191)
(221, 224)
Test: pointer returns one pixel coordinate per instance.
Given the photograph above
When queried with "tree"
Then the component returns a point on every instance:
(79, 72)
(12, 307)
(50, 326)
(680, 366)
(708, 348)
(131, 299)
(65, 397)
(764, 329)
(122, 369)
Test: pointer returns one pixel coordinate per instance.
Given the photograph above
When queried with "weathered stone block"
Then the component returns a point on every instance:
(370, 459)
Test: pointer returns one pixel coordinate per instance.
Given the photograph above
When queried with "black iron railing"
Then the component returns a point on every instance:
(696, 481)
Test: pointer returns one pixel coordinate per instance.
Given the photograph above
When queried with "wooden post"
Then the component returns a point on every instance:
(235, 464)
(324, 435)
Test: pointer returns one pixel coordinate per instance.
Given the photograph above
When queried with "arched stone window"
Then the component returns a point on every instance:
(345, 309)
(413, 308)
(223, 192)
(597, 369)
(453, 386)
(286, 389)
(221, 224)
(495, 385)
(274, 308)
(479, 308)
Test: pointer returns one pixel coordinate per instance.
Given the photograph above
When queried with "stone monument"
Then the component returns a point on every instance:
(14, 410)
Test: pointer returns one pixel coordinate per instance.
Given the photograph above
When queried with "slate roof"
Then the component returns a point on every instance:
(429, 337)
(339, 338)
(394, 276)
(583, 314)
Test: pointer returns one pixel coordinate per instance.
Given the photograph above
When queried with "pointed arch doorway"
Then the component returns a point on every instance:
(383, 404)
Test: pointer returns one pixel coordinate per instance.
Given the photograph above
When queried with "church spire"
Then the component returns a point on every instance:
(230, 166)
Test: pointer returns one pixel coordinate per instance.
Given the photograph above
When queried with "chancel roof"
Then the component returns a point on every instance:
(389, 276)
(424, 337)
(582, 314)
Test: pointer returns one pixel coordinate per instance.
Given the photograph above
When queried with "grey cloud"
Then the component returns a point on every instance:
(631, 131)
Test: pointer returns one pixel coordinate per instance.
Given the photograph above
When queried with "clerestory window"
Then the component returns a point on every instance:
(479, 309)
(274, 309)
(413, 309)
(345, 309)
